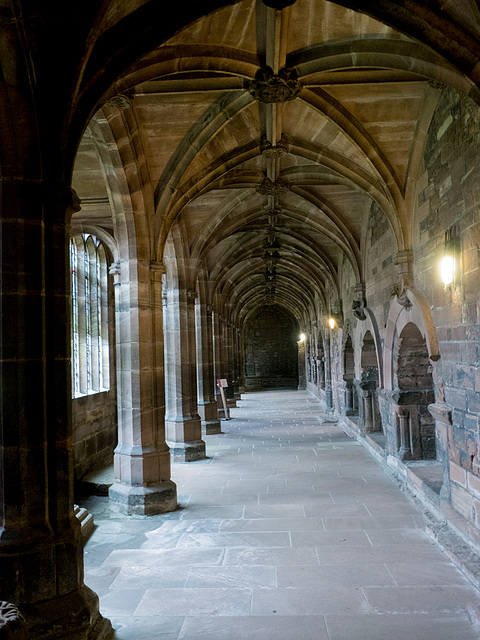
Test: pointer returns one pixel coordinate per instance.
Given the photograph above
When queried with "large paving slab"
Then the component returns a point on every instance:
(289, 530)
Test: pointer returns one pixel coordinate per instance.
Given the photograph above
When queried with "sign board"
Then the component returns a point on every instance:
(222, 382)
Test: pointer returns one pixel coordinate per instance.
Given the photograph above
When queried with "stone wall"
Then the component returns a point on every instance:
(380, 269)
(448, 377)
(94, 417)
(449, 195)
(94, 431)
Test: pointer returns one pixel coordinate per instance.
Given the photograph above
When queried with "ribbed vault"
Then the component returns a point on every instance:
(268, 199)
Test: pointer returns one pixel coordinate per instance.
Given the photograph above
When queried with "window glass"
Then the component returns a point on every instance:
(89, 296)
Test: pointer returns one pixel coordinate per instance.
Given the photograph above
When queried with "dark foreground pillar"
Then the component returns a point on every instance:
(41, 549)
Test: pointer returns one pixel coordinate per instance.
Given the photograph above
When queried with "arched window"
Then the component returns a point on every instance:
(89, 295)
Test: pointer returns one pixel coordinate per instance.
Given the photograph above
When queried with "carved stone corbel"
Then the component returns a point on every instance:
(359, 303)
(399, 289)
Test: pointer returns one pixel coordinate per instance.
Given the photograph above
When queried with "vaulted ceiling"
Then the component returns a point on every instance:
(259, 140)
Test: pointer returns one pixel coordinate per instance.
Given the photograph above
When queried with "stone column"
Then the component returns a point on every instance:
(328, 375)
(403, 439)
(237, 369)
(207, 402)
(241, 362)
(349, 397)
(143, 484)
(230, 355)
(41, 550)
(368, 410)
(442, 414)
(302, 380)
(182, 422)
(219, 365)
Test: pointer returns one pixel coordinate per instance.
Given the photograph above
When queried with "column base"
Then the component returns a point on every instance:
(187, 451)
(143, 501)
(209, 417)
(74, 616)
(211, 427)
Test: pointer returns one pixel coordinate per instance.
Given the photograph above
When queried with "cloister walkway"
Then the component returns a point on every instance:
(290, 530)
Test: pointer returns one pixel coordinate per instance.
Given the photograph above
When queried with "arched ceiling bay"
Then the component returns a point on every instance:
(270, 185)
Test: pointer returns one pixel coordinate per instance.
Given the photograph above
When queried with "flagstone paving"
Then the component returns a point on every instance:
(289, 530)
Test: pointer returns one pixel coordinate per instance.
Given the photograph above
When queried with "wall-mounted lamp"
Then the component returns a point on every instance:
(331, 323)
(449, 262)
(301, 337)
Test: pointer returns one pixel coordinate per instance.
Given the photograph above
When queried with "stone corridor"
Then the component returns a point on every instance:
(289, 530)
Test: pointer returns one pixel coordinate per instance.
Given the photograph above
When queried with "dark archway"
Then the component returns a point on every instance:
(369, 384)
(413, 393)
(271, 359)
(351, 399)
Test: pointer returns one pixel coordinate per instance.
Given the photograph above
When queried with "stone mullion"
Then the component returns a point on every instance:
(142, 461)
(182, 422)
(207, 404)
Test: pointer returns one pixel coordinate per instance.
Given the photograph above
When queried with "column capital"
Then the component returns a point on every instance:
(157, 270)
(115, 270)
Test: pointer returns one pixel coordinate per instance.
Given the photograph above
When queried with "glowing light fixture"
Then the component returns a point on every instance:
(447, 270)
(331, 323)
(302, 337)
(448, 264)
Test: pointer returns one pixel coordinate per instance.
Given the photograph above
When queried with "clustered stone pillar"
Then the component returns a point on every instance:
(142, 460)
(182, 422)
(302, 378)
(328, 376)
(41, 550)
(207, 403)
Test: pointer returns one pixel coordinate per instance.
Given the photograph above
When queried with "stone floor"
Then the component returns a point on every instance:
(288, 531)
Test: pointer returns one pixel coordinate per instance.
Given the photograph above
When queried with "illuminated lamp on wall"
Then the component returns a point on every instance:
(331, 323)
(450, 261)
(301, 337)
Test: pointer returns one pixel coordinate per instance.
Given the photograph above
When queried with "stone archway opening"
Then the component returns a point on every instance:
(351, 398)
(414, 391)
(368, 384)
(320, 360)
(271, 352)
